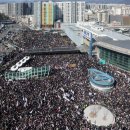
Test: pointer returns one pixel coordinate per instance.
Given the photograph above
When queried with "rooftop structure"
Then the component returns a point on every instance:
(27, 73)
(100, 80)
(75, 34)
(99, 115)
(116, 46)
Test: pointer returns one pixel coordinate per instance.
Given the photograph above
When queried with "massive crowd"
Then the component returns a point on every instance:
(57, 102)
(36, 40)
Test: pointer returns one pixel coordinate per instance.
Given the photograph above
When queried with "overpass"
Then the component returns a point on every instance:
(55, 50)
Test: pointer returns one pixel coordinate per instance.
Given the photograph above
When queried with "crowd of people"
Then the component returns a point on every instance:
(40, 39)
(57, 102)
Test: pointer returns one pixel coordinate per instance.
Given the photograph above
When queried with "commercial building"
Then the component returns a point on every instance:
(111, 47)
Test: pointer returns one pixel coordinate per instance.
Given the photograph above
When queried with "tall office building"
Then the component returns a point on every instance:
(47, 14)
(37, 14)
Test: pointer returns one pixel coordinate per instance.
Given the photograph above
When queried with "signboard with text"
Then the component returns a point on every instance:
(86, 35)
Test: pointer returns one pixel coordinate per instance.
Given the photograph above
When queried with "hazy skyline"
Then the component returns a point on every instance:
(89, 1)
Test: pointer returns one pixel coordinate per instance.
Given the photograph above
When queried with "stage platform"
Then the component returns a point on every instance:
(99, 115)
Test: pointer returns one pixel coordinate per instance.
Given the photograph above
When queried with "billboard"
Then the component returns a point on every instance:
(87, 35)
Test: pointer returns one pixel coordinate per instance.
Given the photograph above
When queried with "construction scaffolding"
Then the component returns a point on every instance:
(120, 60)
(32, 73)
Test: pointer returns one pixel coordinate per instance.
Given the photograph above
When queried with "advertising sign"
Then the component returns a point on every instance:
(86, 35)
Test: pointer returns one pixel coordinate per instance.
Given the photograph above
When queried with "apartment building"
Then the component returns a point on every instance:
(37, 14)
(47, 14)
(73, 11)
(4, 9)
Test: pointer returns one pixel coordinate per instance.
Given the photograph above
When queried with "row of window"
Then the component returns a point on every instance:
(118, 59)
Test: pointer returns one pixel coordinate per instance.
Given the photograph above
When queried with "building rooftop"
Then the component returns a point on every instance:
(107, 33)
(105, 38)
(121, 46)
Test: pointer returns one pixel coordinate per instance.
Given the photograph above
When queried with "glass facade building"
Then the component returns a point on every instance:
(118, 59)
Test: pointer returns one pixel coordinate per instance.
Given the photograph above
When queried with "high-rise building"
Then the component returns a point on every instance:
(94, 6)
(19, 9)
(27, 8)
(68, 16)
(58, 7)
(102, 16)
(68, 12)
(47, 14)
(80, 10)
(12, 9)
(73, 11)
(37, 14)
(121, 10)
(4, 9)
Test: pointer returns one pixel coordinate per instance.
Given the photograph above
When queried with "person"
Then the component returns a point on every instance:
(58, 101)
